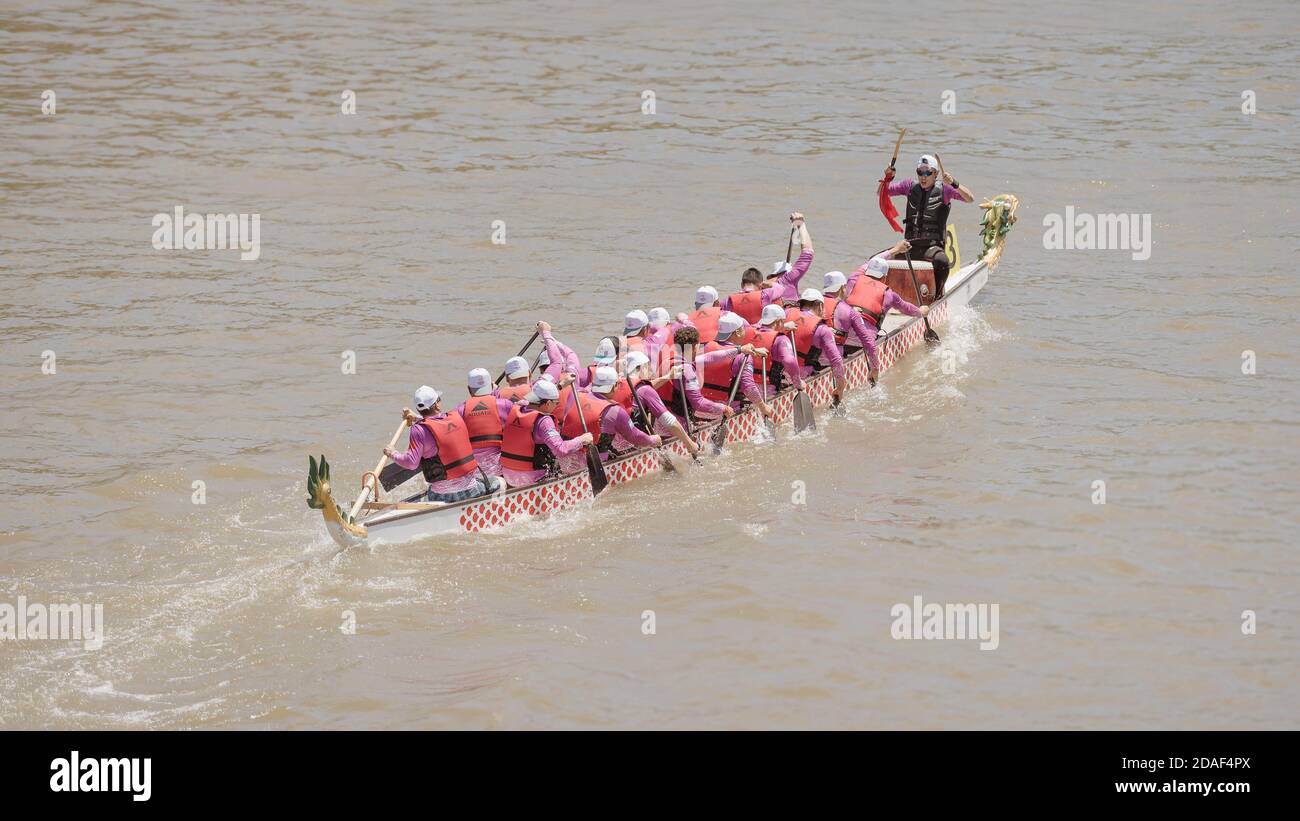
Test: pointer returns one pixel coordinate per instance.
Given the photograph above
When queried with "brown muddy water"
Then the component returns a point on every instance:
(1072, 367)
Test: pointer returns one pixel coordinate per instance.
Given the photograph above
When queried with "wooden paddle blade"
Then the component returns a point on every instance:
(596, 470)
(803, 413)
(719, 437)
(393, 475)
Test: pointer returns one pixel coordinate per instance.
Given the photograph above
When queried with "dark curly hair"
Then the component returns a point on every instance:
(686, 335)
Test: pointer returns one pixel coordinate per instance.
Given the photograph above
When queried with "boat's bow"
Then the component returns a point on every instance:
(342, 527)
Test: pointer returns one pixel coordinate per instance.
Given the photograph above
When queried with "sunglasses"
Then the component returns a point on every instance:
(925, 172)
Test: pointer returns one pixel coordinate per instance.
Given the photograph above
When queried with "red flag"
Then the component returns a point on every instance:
(887, 205)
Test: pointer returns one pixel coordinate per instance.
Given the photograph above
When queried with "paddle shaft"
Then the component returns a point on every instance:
(789, 248)
(361, 499)
(721, 435)
(593, 452)
(522, 350)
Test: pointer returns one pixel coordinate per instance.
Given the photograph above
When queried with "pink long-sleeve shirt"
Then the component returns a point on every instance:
(544, 433)
(901, 187)
(782, 353)
(420, 446)
(615, 421)
(700, 406)
(488, 454)
(562, 358)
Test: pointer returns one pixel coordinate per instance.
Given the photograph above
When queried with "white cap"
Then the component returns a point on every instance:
(543, 359)
(542, 390)
(549, 377)
(833, 281)
(633, 361)
(926, 159)
(635, 320)
(771, 313)
(604, 380)
(811, 295)
(781, 267)
(605, 352)
(877, 267)
(517, 366)
(480, 382)
(706, 295)
(659, 317)
(728, 324)
(426, 397)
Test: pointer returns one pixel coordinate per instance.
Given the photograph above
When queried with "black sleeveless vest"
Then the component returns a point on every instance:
(927, 215)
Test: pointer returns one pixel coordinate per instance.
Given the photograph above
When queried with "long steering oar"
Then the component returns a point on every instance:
(522, 350)
(720, 432)
(930, 335)
(595, 468)
(803, 409)
(365, 491)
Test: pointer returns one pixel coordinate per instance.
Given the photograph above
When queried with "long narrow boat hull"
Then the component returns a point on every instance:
(902, 333)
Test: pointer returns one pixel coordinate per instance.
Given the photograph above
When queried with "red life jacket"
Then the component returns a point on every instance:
(514, 392)
(705, 321)
(806, 325)
(593, 408)
(762, 338)
(665, 389)
(868, 297)
(716, 378)
(633, 343)
(455, 455)
(621, 395)
(518, 450)
(483, 421)
(749, 304)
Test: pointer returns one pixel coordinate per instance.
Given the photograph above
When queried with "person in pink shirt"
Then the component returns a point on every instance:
(864, 325)
(688, 401)
(616, 434)
(440, 469)
(781, 363)
(814, 340)
(649, 406)
(485, 417)
(926, 222)
(732, 330)
(782, 286)
(531, 433)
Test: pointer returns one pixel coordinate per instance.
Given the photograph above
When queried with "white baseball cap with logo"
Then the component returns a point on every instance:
(635, 320)
(833, 281)
(811, 295)
(634, 360)
(480, 382)
(604, 380)
(659, 317)
(517, 367)
(605, 352)
(771, 313)
(425, 398)
(706, 295)
(928, 161)
(728, 324)
(877, 267)
(543, 390)
(781, 267)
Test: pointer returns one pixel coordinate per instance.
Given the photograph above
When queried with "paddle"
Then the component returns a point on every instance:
(361, 499)
(531, 340)
(767, 420)
(930, 335)
(686, 407)
(595, 468)
(720, 432)
(803, 410)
